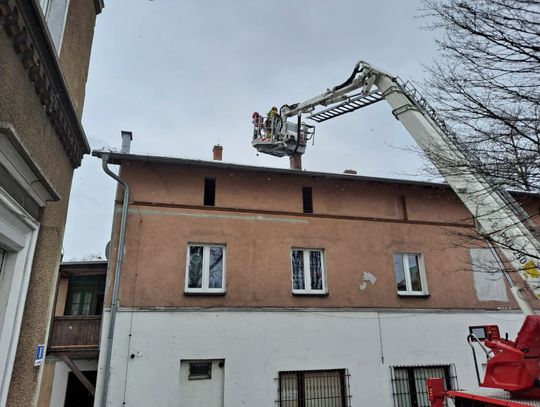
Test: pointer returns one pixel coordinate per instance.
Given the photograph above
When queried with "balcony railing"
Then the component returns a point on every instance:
(75, 333)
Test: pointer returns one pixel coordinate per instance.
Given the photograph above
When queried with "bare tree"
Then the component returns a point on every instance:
(486, 84)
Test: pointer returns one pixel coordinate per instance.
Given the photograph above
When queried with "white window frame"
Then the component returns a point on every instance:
(18, 237)
(422, 270)
(307, 275)
(55, 13)
(206, 269)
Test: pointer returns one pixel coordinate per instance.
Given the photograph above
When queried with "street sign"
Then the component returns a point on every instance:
(40, 355)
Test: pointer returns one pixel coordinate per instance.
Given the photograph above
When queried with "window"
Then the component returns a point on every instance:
(308, 271)
(409, 383)
(410, 274)
(209, 191)
(85, 295)
(200, 370)
(205, 271)
(3, 255)
(55, 12)
(329, 388)
(307, 198)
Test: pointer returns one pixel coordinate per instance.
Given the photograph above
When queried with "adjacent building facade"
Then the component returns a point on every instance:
(69, 375)
(45, 51)
(266, 287)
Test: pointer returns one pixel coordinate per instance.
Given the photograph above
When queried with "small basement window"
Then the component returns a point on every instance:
(209, 191)
(200, 370)
(307, 198)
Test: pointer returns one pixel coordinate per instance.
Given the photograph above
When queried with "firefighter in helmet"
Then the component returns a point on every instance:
(273, 123)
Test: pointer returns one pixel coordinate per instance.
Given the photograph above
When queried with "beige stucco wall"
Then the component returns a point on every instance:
(47, 380)
(259, 217)
(20, 106)
(76, 48)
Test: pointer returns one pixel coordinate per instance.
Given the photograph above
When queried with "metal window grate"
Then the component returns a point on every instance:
(200, 370)
(409, 383)
(322, 388)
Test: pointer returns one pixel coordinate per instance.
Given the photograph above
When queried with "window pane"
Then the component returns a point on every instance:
(298, 269)
(87, 303)
(323, 389)
(75, 301)
(401, 388)
(416, 283)
(200, 370)
(400, 273)
(3, 255)
(216, 267)
(288, 389)
(315, 269)
(195, 267)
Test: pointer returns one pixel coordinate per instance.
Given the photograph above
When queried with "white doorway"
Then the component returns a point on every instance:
(201, 383)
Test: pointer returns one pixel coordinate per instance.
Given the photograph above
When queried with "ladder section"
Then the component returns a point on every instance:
(350, 105)
(510, 203)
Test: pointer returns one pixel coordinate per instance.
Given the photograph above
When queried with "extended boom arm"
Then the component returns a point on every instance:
(498, 217)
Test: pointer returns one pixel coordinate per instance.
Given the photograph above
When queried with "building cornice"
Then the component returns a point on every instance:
(23, 22)
(99, 4)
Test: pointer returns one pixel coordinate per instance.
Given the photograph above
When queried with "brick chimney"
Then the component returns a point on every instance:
(351, 172)
(218, 152)
(295, 162)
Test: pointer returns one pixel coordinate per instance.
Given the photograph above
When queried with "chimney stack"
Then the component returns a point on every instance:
(295, 161)
(218, 152)
(127, 136)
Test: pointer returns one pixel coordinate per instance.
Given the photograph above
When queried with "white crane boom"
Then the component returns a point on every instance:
(498, 217)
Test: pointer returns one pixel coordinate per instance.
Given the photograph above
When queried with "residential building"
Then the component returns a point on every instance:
(45, 51)
(254, 286)
(70, 371)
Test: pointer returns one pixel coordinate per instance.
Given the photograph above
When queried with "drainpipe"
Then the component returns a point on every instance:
(117, 275)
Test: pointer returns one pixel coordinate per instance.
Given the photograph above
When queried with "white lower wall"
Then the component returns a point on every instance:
(256, 345)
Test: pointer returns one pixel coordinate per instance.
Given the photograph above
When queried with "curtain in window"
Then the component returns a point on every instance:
(401, 384)
(75, 303)
(315, 269)
(323, 389)
(298, 269)
(288, 392)
(216, 267)
(195, 266)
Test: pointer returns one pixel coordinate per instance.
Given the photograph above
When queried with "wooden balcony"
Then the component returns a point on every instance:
(75, 335)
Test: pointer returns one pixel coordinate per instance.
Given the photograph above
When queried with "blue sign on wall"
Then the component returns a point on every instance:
(40, 355)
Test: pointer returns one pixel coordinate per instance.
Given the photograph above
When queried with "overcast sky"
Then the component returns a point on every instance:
(185, 75)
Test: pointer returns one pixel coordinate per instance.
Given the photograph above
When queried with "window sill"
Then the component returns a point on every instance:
(204, 294)
(413, 295)
(310, 294)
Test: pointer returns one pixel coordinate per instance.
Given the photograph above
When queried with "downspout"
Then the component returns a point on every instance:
(117, 275)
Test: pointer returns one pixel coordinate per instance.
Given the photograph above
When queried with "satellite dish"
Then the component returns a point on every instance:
(108, 250)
